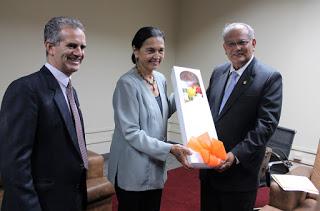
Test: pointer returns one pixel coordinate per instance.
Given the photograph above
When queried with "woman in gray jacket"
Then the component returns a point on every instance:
(139, 145)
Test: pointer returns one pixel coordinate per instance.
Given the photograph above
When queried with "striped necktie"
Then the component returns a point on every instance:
(78, 124)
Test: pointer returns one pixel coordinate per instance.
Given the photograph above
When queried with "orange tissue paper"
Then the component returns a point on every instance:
(211, 150)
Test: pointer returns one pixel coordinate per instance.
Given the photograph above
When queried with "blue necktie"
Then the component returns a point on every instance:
(232, 82)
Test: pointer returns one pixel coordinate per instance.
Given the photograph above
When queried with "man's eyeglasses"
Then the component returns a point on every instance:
(232, 44)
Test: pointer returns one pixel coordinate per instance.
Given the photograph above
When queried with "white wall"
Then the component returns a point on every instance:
(287, 34)
(110, 27)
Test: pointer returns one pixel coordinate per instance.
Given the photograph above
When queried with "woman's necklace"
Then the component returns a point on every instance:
(152, 84)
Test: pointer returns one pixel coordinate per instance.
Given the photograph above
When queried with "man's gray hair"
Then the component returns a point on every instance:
(54, 26)
(231, 26)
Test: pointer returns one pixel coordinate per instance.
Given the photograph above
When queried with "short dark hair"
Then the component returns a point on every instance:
(143, 34)
(54, 26)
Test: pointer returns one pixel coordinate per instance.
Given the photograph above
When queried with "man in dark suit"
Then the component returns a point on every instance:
(42, 148)
(244, 120)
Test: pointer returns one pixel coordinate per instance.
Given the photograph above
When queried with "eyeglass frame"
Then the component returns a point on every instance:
(242, 43)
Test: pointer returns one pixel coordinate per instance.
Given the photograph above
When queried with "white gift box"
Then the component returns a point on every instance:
(192, 108)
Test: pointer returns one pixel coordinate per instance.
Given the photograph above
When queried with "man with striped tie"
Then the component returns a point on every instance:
(43, 155)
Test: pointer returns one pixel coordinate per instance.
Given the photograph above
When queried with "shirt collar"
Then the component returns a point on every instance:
(242, 69)
(59, 75)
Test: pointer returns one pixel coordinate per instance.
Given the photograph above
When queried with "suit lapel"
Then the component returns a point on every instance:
(243, 83)
(150, 96)
(62, 106)
(220, 91)
(159, 115)
(163, 97)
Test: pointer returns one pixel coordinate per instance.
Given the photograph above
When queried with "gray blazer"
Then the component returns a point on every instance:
(139, 150)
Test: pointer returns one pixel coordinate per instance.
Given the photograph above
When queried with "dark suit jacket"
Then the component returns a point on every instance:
(246, 122)
(41, 164)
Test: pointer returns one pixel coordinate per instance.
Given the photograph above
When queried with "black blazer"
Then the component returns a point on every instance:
(246, 122)
(41, 164)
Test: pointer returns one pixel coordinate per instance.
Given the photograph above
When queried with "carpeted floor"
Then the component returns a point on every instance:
(182, 189)
(182, 192)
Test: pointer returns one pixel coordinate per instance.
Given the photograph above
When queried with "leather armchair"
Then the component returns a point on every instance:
(100, 190)
(296, 200)
(310, 207)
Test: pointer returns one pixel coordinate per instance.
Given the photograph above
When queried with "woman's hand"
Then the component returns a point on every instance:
(181, 153)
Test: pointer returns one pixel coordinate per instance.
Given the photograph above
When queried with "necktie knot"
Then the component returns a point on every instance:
(69, 86)
(233, 80)
(234, 75)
